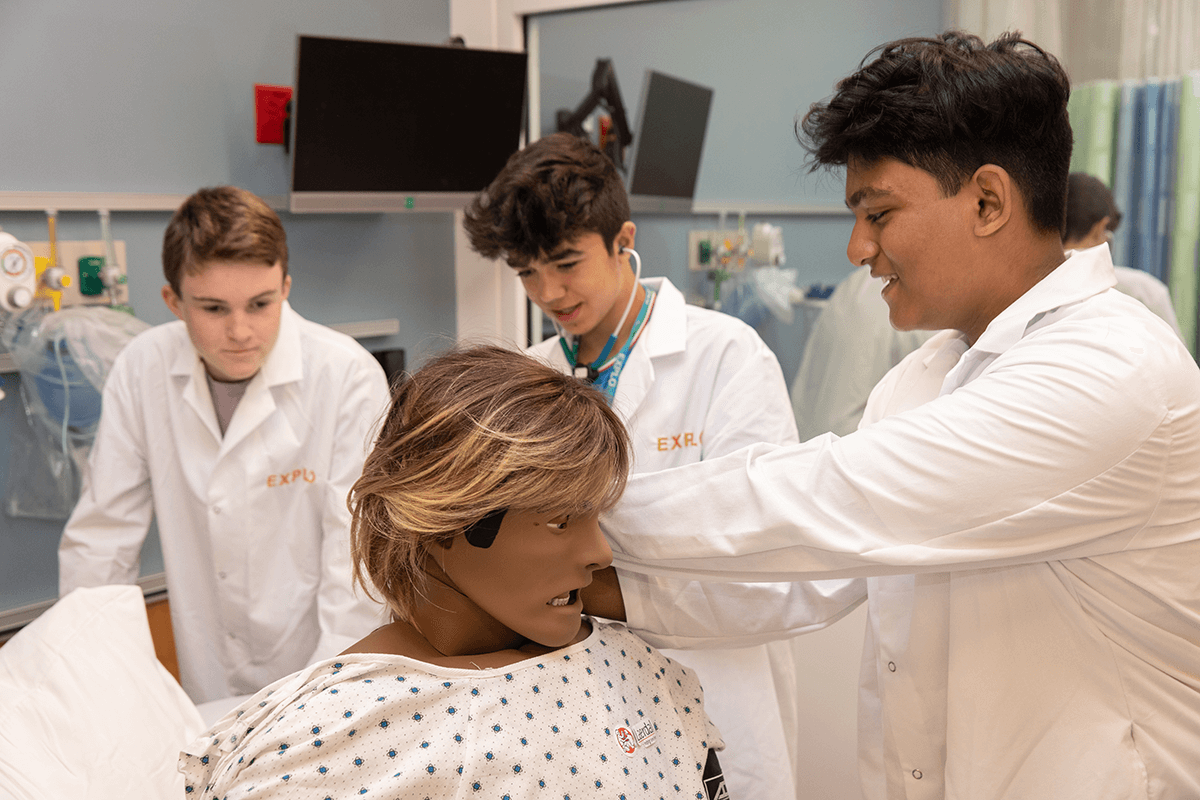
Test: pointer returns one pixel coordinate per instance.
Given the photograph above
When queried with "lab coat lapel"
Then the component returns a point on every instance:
(635, 383)
(1085, 273)
(284, 365)
(665, 333)
(188, 366)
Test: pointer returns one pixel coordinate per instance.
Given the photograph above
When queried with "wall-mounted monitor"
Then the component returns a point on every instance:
(668, 141)
(386, 126)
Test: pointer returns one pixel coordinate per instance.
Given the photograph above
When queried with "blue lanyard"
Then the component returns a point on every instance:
(606, 378)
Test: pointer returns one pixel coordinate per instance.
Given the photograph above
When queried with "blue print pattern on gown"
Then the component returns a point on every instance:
(610, 715)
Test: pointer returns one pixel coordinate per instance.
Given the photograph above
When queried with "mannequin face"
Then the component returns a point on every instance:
(527, 583)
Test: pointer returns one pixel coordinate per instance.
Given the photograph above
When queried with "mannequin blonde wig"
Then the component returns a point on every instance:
(473, 431)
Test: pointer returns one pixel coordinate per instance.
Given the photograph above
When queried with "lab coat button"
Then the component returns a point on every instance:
(221, 575)
(891, 666)
(917, 774)
(216, 509)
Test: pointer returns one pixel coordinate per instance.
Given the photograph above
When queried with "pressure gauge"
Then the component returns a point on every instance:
(17, 283)
(16, 259)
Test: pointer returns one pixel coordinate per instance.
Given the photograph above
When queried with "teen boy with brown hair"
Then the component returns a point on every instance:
(240, 428)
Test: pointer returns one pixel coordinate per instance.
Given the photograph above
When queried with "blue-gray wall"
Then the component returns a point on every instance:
(767, 61)
(133, 96)
(158, 97)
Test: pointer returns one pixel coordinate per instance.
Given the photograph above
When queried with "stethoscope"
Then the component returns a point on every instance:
(591, 372)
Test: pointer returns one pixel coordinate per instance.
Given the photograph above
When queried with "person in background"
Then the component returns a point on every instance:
(1092, 216)
(690, 384)
(851, 347)
(476, 520)
(1021, 494)
(240, 429)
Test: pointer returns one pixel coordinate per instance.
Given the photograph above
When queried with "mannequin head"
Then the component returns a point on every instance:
(472, 433)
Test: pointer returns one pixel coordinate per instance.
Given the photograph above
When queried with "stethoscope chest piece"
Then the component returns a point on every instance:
(586, 372)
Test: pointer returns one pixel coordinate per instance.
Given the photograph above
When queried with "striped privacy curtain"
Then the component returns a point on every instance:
(1136, 120)
(1142, 138)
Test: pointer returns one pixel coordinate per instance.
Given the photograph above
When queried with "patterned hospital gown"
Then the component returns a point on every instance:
(608, 717)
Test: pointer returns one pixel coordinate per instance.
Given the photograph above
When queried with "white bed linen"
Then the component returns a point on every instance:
(86, 709)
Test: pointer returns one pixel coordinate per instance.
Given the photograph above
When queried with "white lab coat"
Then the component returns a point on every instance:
(851, 347)
(700, 384)
(254, 525)
(1151, 291)
(1026, 511)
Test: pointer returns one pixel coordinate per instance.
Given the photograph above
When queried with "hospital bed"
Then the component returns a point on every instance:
(87, 710)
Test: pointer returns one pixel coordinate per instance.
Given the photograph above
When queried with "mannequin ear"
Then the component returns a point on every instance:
(994, 195)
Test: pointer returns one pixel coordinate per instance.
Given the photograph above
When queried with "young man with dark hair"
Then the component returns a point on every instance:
(1092, 216)
(1021, 496)
(240, 429)
(690, 383)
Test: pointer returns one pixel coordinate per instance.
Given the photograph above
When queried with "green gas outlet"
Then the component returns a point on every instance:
(89, 275)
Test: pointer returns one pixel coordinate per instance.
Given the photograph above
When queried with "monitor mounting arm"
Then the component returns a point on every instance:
(604, 93)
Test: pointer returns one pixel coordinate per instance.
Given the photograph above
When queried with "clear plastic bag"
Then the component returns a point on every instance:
(92, 336)
(43, 479)
(774, 286)
(64, 358)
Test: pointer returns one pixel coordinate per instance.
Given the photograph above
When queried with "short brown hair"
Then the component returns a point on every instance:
(222, 223)
(551, 192)
(1088, 202)
(474, 431)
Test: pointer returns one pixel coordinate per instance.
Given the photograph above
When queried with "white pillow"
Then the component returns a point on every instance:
(86, 710)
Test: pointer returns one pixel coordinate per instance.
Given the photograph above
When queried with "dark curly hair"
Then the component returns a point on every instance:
(549, 193)
(948, 105)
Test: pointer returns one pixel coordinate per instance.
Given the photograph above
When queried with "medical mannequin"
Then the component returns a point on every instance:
(476, 520)
(1020, 497)
(240, 428)
(689, 383)
(1092, 216)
